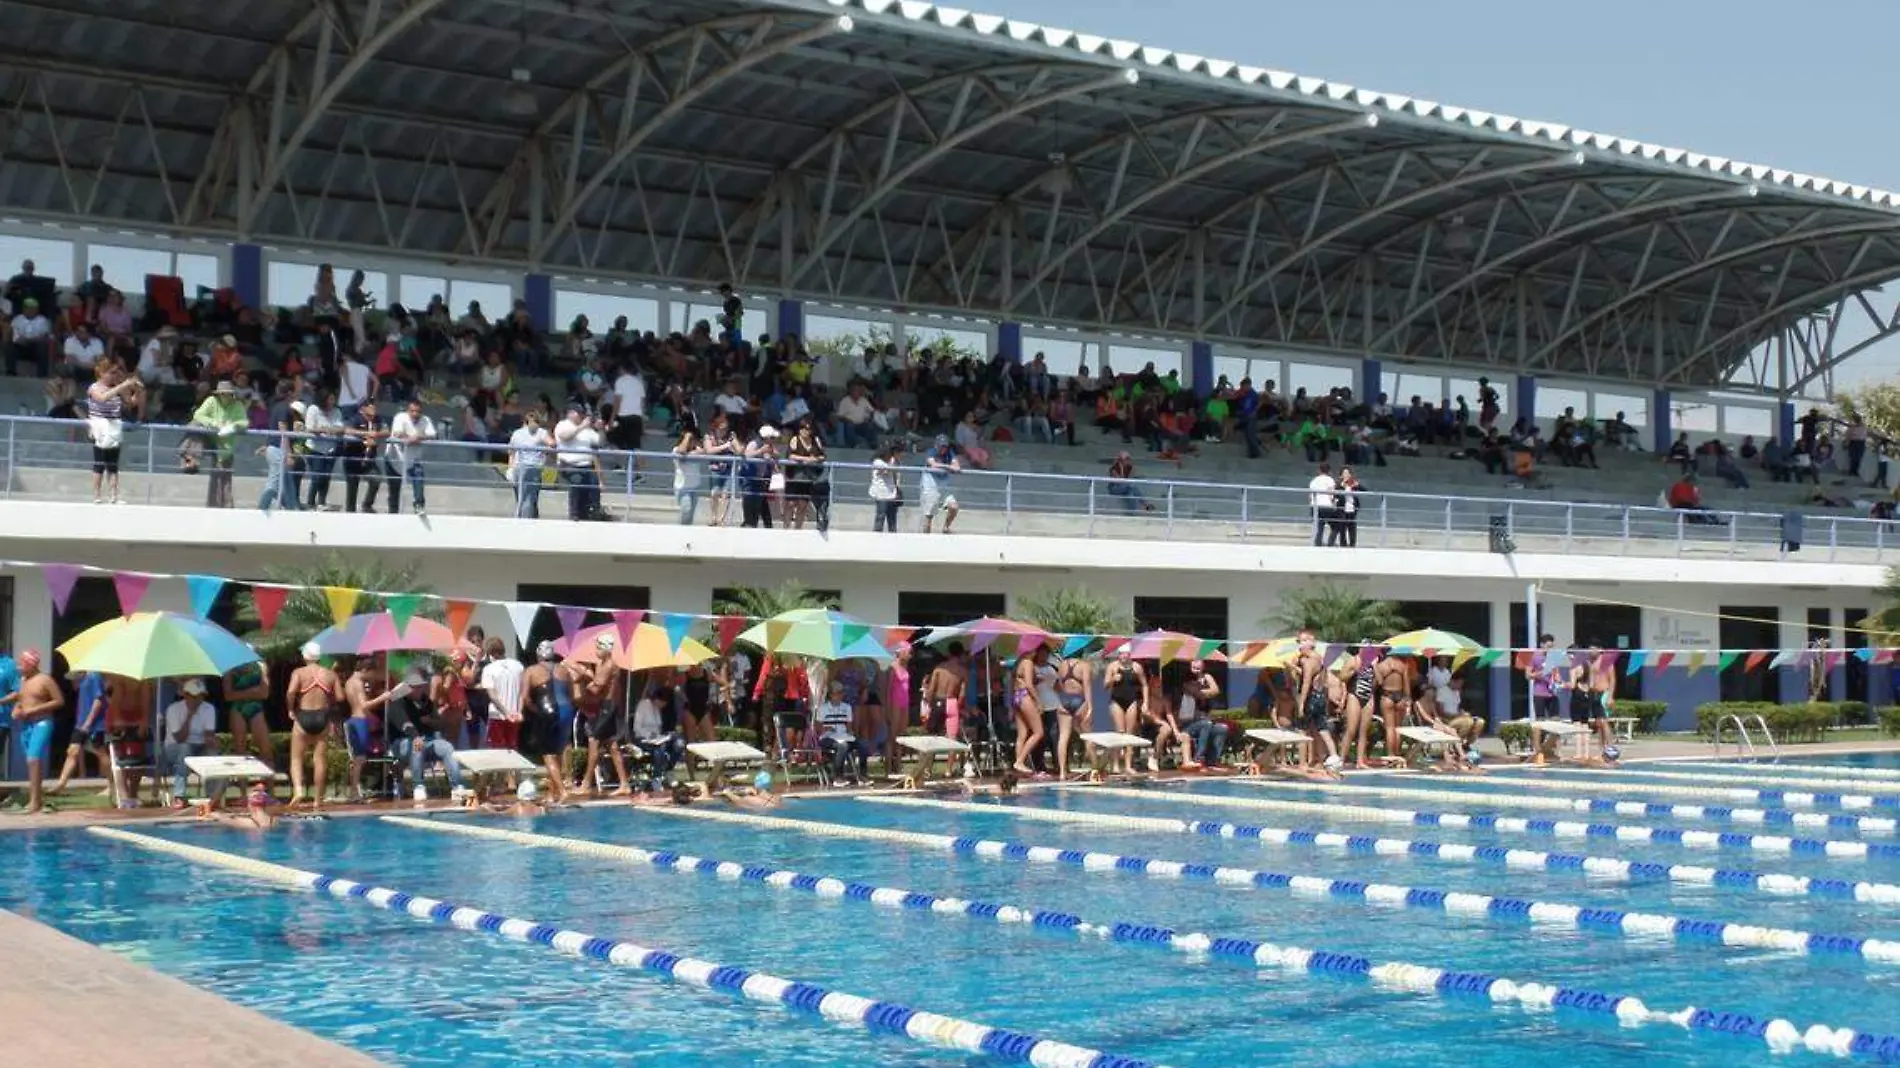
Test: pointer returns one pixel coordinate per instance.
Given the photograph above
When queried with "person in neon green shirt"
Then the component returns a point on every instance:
(224, 415)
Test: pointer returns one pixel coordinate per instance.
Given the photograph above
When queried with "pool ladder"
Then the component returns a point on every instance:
(1744, 742)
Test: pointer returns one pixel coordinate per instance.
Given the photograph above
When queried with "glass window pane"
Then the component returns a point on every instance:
(197, 270)
(1693, 416)
(1064, 355)
(1133, 359)
(1552, 400)
(1401, 388)
(602, 309)
(1318, 378)
(288, 285)
(1743, 419)
(51, 258)
(496, 299)
(1232, 368)
(931, 336)
(414, 291)
(1635, 409)
(126, 268)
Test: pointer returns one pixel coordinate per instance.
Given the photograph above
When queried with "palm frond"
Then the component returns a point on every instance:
(1335, 613)
(307, 611)
(1072, 610)
(761, 602)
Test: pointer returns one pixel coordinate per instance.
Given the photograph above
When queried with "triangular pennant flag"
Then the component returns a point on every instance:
(1606, 662)
(1804, 658)
(571, 619)
(850, 634)
(1696, 660)
(59, 584)
(1490, 657)
(204, 591)
(1463, 657)
(1522, 661)
(131, 587)
(1369, 654)
(776, 631)
(1075, 644)
(458, 614)
(729, 628)
(1112, 644)
(897, 636)
(1782, 659)
(402, 608)
(1865, 654)
(1662, 659)
(342, 601)
(1029, 644)
(679, 626)
(1637, 658)
(1209, 647)
(626, 621)
(1883, 656)
(1754, 660)
(1729, 656)
(1836, 658)
(269, 600)
(980, 642)
(1171, 650)
(521, 614)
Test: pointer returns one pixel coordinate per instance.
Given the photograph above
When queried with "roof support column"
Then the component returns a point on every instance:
(247, 273)
(791, 319)
(1009, 341)
(1201, 367)
(538, 290)
(1371, 382)
(1784, 424)
(1526, 397)
(1659, 412)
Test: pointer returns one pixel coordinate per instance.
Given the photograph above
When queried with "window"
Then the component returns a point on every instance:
(602, 309)
(1063, 354)
(930, 335)
(1402, 387)
(1745, 419)
(415, 290)
(496, 299)
(197, 271)
(1318, 379)
(1635, 409)
(289, 285)
(1695, 417)
(929, 609)
(684, 314)
(1468, 389)
(1552, 400)
(547, 623)
(1132, 359)
(51, 258)
(126, 267)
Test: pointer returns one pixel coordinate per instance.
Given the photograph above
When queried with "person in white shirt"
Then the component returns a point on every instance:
(403, 452)
(575, 439)
(630, 409)
(527, 458)
(886, 493)
(32, 339)
(664, 748)
(356, 386)
(796, 406)
(731, 400)
(190, 726)
(835, 739)
(155, 358)
(1321, 492)
(869, 367)
(83, 351)
(855, 429)
(689, 471)
(501, 682)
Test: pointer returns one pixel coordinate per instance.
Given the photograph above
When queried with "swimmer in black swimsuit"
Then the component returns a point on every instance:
(1127, 687)
(541, 721)
(312, 695)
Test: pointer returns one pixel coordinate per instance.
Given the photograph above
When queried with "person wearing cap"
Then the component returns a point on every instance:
(313, 696)
(934, 492)
(32, 339)
(599, 691)
(756, 471)
(35, 704)
(418, 729)
(542, 734)
(190, 724)
(223, 415)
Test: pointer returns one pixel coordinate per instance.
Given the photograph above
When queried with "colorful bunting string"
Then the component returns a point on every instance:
(204, 590)
(269, 601)
(131, 587)
(60, 579)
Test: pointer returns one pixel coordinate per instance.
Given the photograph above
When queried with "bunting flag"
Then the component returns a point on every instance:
(1522, 661)
(1458, 660)
(627, 620)
(342, 602)
(1369, 654)
(679, 626)
(402, 608)
(895, 637)
(204, 590)
(571, 619)
(850, 634)
(1075, 643)
(1112, 644)
(1696, 660)
(1836, 658)
(1782, 659)
(458, 614)
(1208, 648)
(1883, 656)
(1490, 657)
(131, 587)
(269, 600)
(1172, 650)
(1865, 654)
(1606, 663)
(1754, 660)
(978, 642)
(59, 584)
(1637, 658)
(729, 629)
(522, 615)
(1802, 658)
(1661, 660)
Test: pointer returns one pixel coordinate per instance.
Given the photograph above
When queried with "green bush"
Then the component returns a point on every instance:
(1788, 723)
(1648, 714)
(1890, 721)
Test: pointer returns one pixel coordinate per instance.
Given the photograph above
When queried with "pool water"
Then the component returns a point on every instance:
(416, 993)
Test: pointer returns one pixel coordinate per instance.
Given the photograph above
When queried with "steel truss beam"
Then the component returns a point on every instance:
(1826, 361)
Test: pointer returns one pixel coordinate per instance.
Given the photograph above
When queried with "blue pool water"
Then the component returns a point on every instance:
(416, 993)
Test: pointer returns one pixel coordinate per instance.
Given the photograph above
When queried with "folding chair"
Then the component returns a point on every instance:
(805, 752)
(378, 759)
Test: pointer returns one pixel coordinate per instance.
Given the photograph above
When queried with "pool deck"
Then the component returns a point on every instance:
(85, 1005)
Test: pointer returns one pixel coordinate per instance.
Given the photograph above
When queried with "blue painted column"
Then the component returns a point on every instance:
(1009, 341)
(1371, 382)
(791, 318)
(247, 274)
(1659, 419)
(1784, 423)
(1525, 398)
(1201, 367)
(538, 291)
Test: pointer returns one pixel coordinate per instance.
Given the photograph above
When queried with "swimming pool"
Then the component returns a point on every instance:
(420, 993)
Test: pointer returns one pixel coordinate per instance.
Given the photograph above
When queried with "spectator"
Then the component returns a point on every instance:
(115, 320)
(403, 454)
(842, 749)
(1061, 416)
(756, 473)
(1726, 469)
(1747, 451)
(854, 426)
(363, 459)
(936, 494)
(280, 480)
(527, 459)
(807, 488)
(23, 285)
(1685, 496)
(324, 422)
(1856, 435)
(664, 748)
(1246, 408)
(630, 406)
(356, 385)
(1361, 449)
(887, 494)
(689, 474)
(1681, 454)
(969, 435)
(32, 337)
(1345, 523)
(1121, 471)
(106, 401)
(83, 351)
(576, 438)
(1774, 460)
(224, 417)
(1321, 491)
(190, 725)
(1033, 422)
(1803, 465)
(418, 726)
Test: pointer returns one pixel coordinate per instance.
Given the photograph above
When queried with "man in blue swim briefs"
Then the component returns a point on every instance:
(34, 706)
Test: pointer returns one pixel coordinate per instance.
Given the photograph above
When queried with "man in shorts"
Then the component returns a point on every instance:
(89, 728)
(935, 493)
(35, 704)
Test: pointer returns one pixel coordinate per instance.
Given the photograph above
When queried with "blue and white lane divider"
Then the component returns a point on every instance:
(1770, 817)
(1769, 770)
(881, 1017)
(1765, 843)
(1646, 926)
(1828, 795)
(1392, 975)
(1771, 883)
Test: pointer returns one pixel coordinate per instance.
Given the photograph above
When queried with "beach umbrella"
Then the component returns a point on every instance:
(1005, 637)
(157, 645)
(650, 648)
(1431, 642)
(377, 632)
(816, 634)
(1170, 645)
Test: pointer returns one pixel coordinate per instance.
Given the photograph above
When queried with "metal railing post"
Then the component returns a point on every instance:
(13, 463)
(1510, 519)
(1734, 522)
(1448, 522)
(1009, 503)
(151, 462)
(1170, 531)
(1681, 530)
(1384, 532)
(1626, 530)
(1570, 525)
(1243, 511)
(1833, 538)
(1091, 507)
(1880, 540)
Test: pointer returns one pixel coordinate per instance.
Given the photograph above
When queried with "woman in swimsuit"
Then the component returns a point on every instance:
(541, 721)
(1127, 686)
(1358, 713)
(245, 691)
(1048, 703)
(897, 718)
(1392, 689)
(1157, 714)
(1073, 709)
(312, 695)
(1027, 708)
(697, 690)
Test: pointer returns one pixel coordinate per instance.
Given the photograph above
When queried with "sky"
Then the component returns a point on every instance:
(1802, 86)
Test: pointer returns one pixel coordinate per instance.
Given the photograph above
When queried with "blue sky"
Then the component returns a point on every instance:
(1804, 86)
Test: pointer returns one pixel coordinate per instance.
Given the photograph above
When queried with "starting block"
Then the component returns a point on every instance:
(928, 747)
(1562, 730)
(719, 754)
(495, 762)
(1110, 743)
(218, 772)
(1429, 739)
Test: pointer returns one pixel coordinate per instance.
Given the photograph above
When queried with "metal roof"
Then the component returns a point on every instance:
(898, 154)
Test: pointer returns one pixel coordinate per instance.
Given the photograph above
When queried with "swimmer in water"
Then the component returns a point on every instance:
(757, 796)
(1005, 786)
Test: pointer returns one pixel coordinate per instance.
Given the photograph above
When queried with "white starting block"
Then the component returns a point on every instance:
(928, 748)
(1109, 743)
(495, 762)
(1430, 739)
(221, 771)
(719, 754)
(1296, 743)
(1563, 730)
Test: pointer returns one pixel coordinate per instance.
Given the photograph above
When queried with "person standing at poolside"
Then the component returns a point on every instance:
(1313, 707)
(1127, 684)
(366, 691)
(1392, 692)
(89, 728)
(897, 717)
(128, 730)
(1075, 708)
(246, 688)
(313, 695)
(35, 704)
(943, 693)
(599, 694)
(1025, 705)
(541, 720)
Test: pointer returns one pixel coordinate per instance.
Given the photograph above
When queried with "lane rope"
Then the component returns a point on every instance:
(881, 1017)
(1494, 909)
(1836, 771)
(1692, 839)
(1771, 817)
(1390, 975)
(1771, 883)
(1828, 797)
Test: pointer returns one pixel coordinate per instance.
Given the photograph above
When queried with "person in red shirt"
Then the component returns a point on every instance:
(1686, 496)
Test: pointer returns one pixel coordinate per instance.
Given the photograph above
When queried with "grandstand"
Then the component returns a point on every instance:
(867, 171)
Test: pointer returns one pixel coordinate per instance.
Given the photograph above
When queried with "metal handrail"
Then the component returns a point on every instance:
(1182, 507)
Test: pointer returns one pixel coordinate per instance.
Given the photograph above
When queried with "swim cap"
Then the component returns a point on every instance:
(1611, 752)
(762, 781)
(1474, 756)
(526, 791)
(312, 651)
(30, 659)
(605, 643)
(544, 651)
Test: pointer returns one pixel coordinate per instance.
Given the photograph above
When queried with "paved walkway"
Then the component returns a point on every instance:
(69, 1002)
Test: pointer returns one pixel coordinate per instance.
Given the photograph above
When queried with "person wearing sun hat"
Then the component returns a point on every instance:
(223, 415)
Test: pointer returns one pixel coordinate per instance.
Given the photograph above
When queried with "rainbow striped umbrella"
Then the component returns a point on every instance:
(816, 633)
(1006, 637)
(651, 647)
(1171, 645)
(376, 632)
(157, 645)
